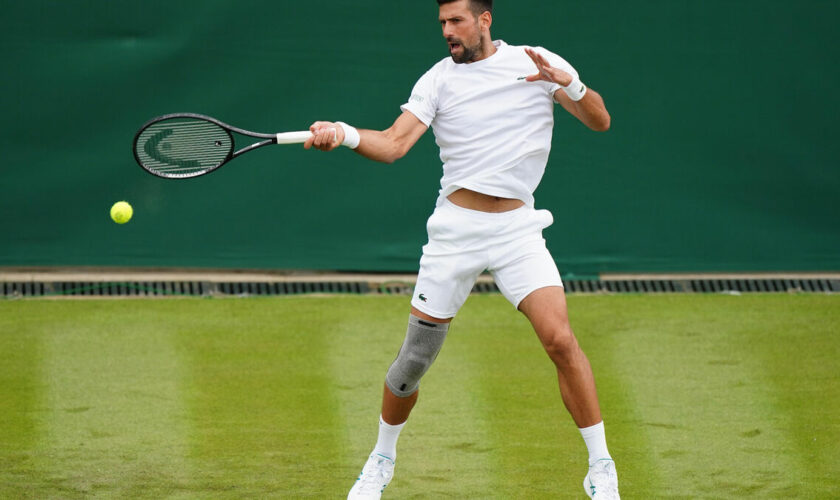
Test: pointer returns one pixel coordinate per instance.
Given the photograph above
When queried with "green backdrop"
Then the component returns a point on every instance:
(722, 154)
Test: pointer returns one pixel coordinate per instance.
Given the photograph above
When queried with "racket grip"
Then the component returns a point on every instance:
(293, 137)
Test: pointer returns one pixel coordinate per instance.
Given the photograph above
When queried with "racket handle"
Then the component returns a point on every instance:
(293, 137)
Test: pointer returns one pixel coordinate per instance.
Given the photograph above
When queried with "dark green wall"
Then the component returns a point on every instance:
(722, 154)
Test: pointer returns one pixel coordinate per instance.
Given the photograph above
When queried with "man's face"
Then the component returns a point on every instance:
(462, 31)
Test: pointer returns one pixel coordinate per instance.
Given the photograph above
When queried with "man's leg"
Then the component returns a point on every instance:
(546, 309)
(423, 341)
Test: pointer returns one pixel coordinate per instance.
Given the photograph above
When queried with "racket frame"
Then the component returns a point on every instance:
(279, 138)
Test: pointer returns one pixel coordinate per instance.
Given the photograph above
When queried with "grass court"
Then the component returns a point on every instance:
(704, 396)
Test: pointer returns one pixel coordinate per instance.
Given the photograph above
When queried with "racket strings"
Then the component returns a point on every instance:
(183, 147)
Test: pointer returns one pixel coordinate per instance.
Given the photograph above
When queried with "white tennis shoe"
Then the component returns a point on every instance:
(375, 476)
(601, 483)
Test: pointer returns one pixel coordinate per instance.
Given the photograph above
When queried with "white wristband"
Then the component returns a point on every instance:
(351, 136)
(575, 90)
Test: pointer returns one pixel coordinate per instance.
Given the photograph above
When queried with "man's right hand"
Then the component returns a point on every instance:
(326, 136)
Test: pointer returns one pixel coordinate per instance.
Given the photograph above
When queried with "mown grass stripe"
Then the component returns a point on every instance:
(21, 394)
(261, 406)
(598, 323)
(799, 368)
(113, 409)
(710, 417)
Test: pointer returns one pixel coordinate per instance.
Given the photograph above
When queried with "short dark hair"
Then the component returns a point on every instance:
(477, 7)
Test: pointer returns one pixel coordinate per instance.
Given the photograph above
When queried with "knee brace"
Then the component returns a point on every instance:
(422, 344)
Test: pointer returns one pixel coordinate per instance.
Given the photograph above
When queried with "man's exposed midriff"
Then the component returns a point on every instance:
(481, 202)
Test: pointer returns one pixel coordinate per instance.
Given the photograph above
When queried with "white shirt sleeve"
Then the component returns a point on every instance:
(423, 100)
(557, 62)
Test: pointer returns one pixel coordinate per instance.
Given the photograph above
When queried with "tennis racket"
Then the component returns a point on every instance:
(184, 145)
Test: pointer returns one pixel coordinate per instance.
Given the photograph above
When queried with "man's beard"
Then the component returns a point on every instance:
(468, 54)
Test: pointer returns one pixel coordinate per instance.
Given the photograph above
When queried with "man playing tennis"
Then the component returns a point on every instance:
(491, 108)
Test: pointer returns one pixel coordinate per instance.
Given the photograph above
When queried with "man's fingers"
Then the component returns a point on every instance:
(535, 56)
(321, 141)
(541, 61)
(311, 141)
(325, 136)
(542, 66)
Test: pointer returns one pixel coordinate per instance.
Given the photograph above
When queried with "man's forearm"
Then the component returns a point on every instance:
(379, 146)
(592, 112)
(392, 143)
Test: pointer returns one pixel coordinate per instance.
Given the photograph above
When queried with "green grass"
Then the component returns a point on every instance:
(703, 397)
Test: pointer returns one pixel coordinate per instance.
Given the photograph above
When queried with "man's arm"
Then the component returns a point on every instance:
(387, 146)
(590, 109)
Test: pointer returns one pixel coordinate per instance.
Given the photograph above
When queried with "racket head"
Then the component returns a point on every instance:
(182, 145)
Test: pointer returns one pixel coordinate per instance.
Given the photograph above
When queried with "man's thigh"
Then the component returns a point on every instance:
(546, 309)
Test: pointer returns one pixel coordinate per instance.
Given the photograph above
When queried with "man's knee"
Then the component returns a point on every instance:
(560, 342)
(422, 344)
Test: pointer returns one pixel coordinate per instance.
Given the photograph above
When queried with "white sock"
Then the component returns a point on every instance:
(386, 444)
(596, 442)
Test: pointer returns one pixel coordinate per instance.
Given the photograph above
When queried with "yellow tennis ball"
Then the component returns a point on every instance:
(121, 212)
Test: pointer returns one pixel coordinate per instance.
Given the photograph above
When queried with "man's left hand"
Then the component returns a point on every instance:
(546, 71)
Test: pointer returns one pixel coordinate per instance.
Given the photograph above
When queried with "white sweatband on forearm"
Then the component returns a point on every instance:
(575, 90)
(351, 136)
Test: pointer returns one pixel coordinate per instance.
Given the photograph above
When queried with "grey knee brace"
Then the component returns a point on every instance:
(423, 341)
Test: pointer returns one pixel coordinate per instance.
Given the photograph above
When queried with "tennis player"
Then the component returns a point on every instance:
(490, 105)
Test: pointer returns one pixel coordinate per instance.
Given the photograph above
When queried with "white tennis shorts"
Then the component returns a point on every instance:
(463, 243)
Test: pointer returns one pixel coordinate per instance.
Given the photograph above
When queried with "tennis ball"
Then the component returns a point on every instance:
(121, 212)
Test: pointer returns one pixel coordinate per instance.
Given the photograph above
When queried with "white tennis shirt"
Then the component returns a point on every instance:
(493, 127)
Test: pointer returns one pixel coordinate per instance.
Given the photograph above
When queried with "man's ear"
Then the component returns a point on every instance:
(485, 20)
